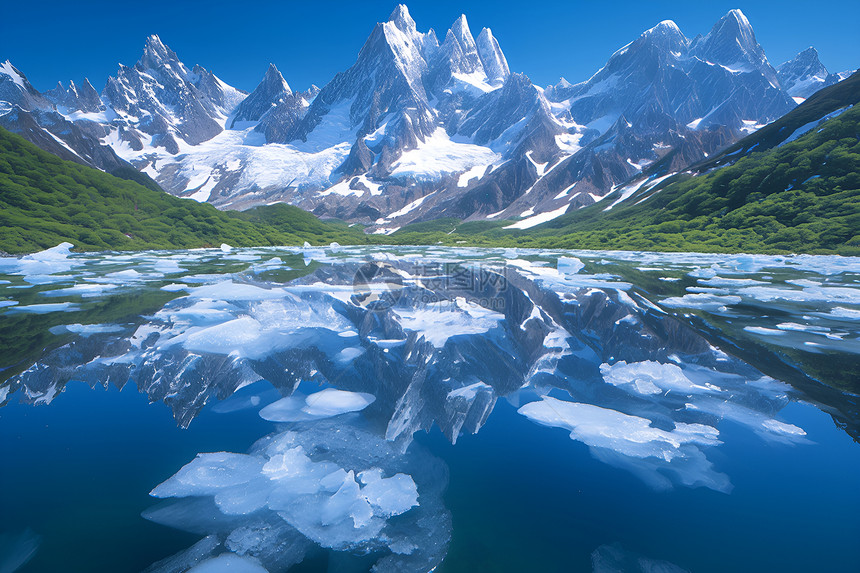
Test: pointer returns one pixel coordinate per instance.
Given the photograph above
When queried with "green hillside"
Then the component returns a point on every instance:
(45, 201)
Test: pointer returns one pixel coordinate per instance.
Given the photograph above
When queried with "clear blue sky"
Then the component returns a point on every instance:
(52, 40)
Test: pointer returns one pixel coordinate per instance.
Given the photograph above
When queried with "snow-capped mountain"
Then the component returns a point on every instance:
(271, 91)
(804, 74)
(85, 99)
(417, 129)
(160, 103)
(55, 127)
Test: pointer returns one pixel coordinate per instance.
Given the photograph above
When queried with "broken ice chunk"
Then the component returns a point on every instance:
(323, 404)
(650, 377)
(628, 435)
(569, 265)
(208, 473)
(658, 457)
(391, 496)
(703, 301)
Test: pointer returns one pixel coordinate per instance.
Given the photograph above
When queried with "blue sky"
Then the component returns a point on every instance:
(311, 41)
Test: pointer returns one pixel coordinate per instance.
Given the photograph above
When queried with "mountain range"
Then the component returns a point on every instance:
(417, 128)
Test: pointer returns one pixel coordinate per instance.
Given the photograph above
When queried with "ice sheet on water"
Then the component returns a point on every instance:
(334, 484)
(323, 404)
(45, 308)
(659, 457)
(843, 313)
(234, 292)
(569, 265)
(44, 263)
(763, 425)
(87, 329)
(807, 294)
(652, 377)
(703, 301)
(86, 290)
(554, 329)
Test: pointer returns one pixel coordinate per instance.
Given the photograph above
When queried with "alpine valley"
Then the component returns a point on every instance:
(421, 126)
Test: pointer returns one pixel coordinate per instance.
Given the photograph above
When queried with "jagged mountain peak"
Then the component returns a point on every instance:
(804, 74)
(460, 48)
(732, 44)
(15, 88)
(666, 35)
(460, 28)
(495, 63)
(18, 78)
(664, 27)
(156, 54)
(807, 59)
(272, 90)
(84, 98)
(401, 18)
(731, 36)
(274, 78)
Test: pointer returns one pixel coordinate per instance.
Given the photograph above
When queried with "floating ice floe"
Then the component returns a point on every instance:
(45, 308)
(323, 404)
(333, 485)
(634, 443)
(702, 301)
(651, 377)
(86, 290)
(569, 265)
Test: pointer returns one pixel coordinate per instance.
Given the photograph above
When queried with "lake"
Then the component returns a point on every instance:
(427, 408)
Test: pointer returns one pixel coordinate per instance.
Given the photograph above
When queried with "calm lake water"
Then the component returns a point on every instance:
(405, 409)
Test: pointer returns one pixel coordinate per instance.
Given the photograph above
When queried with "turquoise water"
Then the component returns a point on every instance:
(710, 448)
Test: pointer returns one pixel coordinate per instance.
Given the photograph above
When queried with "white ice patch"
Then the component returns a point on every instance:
(323, 404)
(86, 290)
(569, 265)
(44, 308)
(763, 425)
(320, 499)
(634, 443)
(651, 377)
(702, 301)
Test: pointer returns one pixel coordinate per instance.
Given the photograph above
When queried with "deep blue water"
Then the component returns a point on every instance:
(529, 499)
(523, 497)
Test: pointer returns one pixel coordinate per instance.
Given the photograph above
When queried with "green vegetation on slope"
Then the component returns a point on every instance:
(45, 201)
(801, 197)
